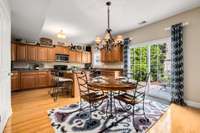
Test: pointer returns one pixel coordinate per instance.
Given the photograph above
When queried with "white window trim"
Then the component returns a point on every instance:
(147, 43)
(152, 42)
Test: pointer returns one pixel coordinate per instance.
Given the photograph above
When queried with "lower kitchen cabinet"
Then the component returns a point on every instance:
(15, 81)
(43, 79)
(50, 81)
(28, 80)
(31, 80)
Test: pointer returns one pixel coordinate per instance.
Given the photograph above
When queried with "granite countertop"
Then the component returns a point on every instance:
(29, 70)
(109, 69)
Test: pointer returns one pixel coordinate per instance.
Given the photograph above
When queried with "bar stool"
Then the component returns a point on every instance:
(61, 84)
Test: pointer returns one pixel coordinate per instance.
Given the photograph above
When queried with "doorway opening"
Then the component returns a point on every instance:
(154, 57)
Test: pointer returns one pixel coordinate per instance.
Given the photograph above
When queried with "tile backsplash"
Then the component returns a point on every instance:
(27, 65)
(109, 65)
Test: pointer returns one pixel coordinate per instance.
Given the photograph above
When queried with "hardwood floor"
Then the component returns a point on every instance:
(30, 111)
(30, 115)
(178, 119)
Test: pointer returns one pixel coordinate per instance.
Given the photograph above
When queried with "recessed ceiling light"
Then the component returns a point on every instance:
(142, 22)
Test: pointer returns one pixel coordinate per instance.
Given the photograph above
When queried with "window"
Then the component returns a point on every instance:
(151, 57)
(96, 57)
(154, 57)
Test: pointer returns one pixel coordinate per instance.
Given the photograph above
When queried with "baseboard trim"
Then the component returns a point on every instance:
(7, 118)
(192, 104)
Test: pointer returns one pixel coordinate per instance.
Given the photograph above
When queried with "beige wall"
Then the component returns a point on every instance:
(191, 46)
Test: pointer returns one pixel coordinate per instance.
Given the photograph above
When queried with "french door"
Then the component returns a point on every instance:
(5, 83)
(154, 57)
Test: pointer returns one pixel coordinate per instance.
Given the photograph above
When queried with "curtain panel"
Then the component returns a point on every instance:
(177, 81)
(125, 55)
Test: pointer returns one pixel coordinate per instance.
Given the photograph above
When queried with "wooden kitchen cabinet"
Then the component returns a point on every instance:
(89, 57)
(115, 55)
(51, 54)
(72, 56)
(50, 79)
(31, 80)
(15, 81)
(78, 57)
(103, 55)
(13, 52)
(66, 50)
(108, 56)
(61, 50)
(86, 57)
(21, 52)
(58, 50)
(31, 53)
(42, 54)
(42, 79)
(28, 80)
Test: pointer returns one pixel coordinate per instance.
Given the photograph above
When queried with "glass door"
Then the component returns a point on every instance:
(155, 58)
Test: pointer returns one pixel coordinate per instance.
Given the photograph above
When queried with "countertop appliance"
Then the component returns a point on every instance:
(62, 58)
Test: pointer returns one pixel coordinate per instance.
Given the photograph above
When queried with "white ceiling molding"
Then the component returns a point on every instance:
(82, 21)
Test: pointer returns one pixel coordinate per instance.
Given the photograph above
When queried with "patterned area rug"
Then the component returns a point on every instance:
(70, 119)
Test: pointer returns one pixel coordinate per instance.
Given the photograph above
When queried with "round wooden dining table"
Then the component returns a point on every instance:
(111, 85)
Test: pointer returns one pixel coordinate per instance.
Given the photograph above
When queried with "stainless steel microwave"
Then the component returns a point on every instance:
(62, 58)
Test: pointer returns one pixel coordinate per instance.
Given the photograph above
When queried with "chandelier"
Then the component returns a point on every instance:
(108, 41)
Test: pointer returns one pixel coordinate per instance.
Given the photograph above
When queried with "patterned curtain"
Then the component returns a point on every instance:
(177, 83)
(125, 55)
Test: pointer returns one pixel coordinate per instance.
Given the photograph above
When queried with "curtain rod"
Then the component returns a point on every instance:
(184, 24)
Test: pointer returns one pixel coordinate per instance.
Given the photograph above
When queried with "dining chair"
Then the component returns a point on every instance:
(137, 97)
(60, 84)
(91, 95)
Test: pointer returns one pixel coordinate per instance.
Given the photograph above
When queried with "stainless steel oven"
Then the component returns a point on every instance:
(62, 58)
(59, 70)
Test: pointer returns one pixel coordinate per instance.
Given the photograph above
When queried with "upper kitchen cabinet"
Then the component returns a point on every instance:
(51, 54)
(103, 55)
(42, 54)
(31, 53)
(66, 50)
(72, 56)
(61, 50)
(78, 57)
(86, 57)
(115, 55)
(21, 52)
(13, 52)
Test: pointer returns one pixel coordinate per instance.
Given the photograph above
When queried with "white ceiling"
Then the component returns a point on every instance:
(83, 20)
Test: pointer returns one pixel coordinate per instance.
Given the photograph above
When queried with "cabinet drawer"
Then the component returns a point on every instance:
(28, 73)
(42, 72)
